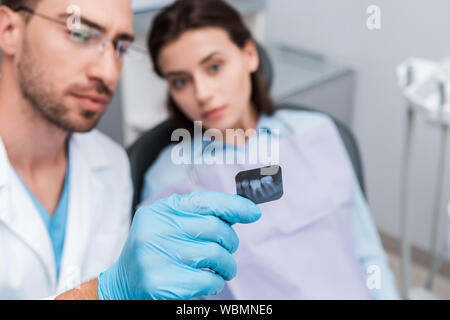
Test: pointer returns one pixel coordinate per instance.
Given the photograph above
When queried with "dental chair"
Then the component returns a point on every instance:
(147, 148)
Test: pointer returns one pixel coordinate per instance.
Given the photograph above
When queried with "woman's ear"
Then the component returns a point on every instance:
(9, 31)
(252, 56)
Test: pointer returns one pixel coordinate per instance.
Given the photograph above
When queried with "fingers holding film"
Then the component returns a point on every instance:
(209, 255)
(212, 229)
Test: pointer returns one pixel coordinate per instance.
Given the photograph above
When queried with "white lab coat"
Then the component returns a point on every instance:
(98, 222)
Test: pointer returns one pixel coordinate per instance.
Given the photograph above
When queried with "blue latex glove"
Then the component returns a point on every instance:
(179, 248)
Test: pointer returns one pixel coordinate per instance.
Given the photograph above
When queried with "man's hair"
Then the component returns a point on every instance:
(15, 4)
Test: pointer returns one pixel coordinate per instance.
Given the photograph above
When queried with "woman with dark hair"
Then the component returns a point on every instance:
(318, 241)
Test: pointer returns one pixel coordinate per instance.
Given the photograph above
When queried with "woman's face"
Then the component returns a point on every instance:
(209, 77)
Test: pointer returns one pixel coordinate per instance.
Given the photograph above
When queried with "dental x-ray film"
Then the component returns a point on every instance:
(260, 185)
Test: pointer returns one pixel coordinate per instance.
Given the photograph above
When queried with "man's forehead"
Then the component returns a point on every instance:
(116, 16)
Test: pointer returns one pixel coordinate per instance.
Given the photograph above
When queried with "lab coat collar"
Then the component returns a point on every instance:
(3, 165)
(18, 213)
(91, 151)
(87, 159)
(4, 179)
(88, 146)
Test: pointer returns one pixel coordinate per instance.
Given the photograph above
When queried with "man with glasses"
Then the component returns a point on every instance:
(65, 189)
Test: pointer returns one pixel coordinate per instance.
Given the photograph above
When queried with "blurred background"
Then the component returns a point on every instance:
(325, 56)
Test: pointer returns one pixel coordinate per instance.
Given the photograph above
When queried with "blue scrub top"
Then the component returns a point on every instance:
(56, 224)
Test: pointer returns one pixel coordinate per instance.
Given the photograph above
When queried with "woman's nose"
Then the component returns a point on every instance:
(203, 90)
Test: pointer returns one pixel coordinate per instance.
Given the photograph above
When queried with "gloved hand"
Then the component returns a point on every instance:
(179, 248)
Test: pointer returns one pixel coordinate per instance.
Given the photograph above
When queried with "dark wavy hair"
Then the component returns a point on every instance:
(185, 15)
(15, 4)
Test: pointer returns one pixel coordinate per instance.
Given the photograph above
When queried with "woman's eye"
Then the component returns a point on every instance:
(178, 84)
(122, 48)
(215, 67)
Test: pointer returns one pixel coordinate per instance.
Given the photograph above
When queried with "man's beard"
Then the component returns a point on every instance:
(40, 93)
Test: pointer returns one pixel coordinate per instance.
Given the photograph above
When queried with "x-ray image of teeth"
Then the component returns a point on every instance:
(259, 188)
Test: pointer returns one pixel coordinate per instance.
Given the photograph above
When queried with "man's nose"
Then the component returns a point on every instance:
(106, 68)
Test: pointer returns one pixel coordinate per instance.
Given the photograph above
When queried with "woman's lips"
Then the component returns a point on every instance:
(213, 113)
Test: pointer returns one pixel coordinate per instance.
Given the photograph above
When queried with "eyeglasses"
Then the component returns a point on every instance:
(90, 37)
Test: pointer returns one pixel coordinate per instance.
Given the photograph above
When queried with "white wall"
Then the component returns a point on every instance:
(408, 28)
